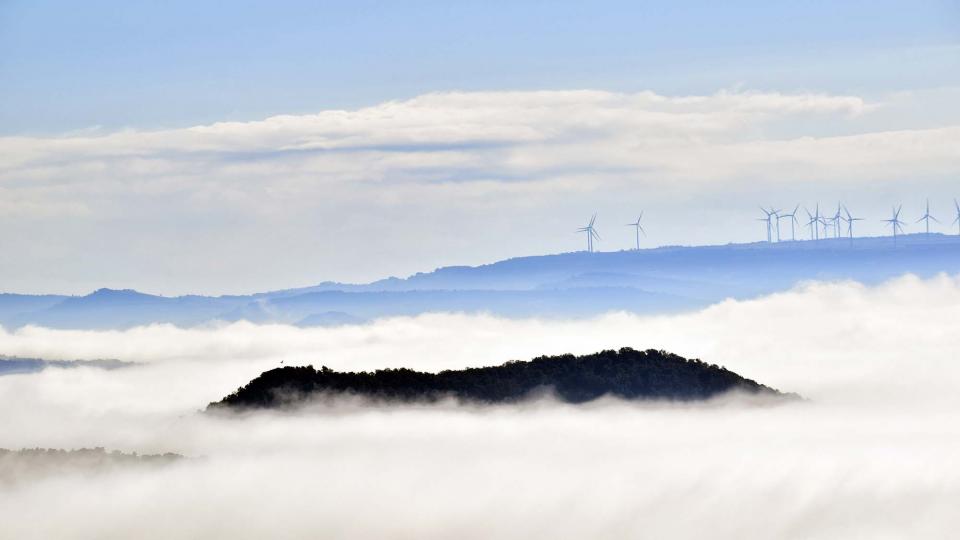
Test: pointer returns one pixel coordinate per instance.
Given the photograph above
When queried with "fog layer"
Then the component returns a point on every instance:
(872, 454)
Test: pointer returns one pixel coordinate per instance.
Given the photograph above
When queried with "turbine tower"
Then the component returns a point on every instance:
(793, 223)
(927, 217)
(639, 229)
(850, 219)
(811, 223)
(957, 220)
(895, 223)
(769, 215)
(814, 223)
(591, 233)
(827, 225)
(837, 218)
(776, 215)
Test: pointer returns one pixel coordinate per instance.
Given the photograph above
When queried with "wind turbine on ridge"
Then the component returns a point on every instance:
(837, 218)
(927, 217)
(850, 219)
(639, 229)
(591, 233)
(895, 223)
(827, 223)
(769, 215)
(767, 221)
(776, 215)
(793, 223)
(814, 223)
(810, 221)
(957, 220)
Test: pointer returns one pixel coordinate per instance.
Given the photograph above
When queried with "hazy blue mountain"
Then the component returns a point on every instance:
(563, 285)
(10, 365)
(518, 303)
(329, 318)
(108, 308)
(14, 304)
(676, 269)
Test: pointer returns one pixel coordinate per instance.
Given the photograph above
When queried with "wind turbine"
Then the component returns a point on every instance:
(793, 222)
(927, 217)
(957, 220)
(810, 223)
(837, 218)
(850, 219)
(827, 223)
(814, 223)
(895, 223)
(767, 219)
(639, 229)
(591, 233)
(776, 214)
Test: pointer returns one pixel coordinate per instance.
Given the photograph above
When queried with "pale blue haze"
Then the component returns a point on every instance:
(67, 65)
(378, 139)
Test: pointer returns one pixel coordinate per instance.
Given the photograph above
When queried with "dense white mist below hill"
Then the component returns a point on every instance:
(874, 453)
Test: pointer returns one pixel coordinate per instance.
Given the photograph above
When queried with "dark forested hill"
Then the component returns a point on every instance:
(627, 374)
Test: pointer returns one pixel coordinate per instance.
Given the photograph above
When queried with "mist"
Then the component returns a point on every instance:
(871, 453)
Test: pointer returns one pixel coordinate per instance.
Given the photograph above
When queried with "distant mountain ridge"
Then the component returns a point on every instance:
(12, 365)
(665, 279)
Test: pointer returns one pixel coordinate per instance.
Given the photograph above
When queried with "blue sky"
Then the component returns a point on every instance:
(176, 63)
(228, 147)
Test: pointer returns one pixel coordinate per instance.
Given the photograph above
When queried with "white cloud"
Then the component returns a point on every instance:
(485, 163)
(873, 454)
(439, 119)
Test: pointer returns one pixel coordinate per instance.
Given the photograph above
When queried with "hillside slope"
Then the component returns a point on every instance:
(627, 374)
(566, 285)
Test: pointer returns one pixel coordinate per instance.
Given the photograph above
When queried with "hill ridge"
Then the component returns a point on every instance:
(625, 373)
(574, 284)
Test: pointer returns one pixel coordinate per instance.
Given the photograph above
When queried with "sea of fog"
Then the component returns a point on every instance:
(873, 453)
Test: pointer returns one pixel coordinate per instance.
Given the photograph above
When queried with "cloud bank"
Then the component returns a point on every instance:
(872, 454)
(475, 168)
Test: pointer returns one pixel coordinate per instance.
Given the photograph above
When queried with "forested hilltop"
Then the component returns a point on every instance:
(30, 464)
(627, 374)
